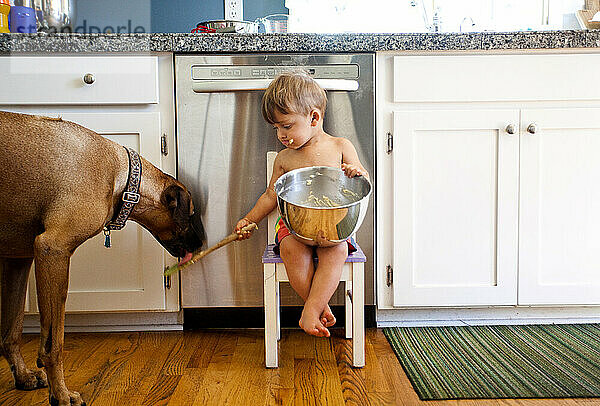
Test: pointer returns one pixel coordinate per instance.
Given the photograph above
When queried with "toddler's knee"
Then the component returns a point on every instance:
(336, 253)
(341, 249)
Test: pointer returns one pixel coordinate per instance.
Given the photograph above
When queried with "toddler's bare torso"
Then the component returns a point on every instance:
(326, 152)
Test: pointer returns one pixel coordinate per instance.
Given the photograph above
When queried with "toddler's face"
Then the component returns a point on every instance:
(293, 130)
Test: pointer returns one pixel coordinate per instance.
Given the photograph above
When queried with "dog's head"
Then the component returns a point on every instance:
(178, 228)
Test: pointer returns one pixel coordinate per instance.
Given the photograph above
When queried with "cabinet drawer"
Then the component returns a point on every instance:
(60, 80)
(467, 78)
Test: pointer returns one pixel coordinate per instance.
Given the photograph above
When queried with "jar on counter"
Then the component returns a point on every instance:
(4, 10)
(22, 17)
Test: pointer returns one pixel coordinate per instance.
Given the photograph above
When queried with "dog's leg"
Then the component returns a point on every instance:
(52, 281)
(15, 273)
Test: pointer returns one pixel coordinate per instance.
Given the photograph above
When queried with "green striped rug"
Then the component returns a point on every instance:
(535, 361)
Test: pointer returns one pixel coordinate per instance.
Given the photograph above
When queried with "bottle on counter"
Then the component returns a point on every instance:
(4, 11)
(22, 17)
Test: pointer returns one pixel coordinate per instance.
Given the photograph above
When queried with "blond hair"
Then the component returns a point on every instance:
(292, 93)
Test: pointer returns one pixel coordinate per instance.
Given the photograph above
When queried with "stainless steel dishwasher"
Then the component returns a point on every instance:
(222, 142)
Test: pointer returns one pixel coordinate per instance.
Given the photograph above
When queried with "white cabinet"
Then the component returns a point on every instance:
(455, 182)
(493, 182)
(559, 248)
(131, 107)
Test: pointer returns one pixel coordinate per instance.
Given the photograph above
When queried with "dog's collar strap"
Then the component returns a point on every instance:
(131, 194)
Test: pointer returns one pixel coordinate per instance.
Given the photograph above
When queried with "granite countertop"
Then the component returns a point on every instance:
(218, 43)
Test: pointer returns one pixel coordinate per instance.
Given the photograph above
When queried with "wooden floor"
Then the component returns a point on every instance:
(209, 367)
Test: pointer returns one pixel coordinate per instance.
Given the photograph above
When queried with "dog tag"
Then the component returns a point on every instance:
(106, 237)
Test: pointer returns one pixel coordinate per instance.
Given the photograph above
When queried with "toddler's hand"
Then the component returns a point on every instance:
(243, 235)
(351, 170)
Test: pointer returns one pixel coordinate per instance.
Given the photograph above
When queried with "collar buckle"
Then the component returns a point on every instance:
(131, 197)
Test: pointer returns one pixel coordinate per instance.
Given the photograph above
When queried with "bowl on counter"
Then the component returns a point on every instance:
(320, 205)
(224, 26)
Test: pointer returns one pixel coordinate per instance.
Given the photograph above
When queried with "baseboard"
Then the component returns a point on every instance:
(188, 319)
(514, 315)
(254, 317)
(112, 322)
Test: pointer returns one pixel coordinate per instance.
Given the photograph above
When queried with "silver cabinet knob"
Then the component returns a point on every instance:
(88, 78)
(532, 128)
(510, 129)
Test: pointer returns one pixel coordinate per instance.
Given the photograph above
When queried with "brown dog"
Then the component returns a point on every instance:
(60, 185)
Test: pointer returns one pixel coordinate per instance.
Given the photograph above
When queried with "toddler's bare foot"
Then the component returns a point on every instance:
(310, 322)
(327, 317)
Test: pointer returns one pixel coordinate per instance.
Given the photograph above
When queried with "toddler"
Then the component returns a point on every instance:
(295, 104)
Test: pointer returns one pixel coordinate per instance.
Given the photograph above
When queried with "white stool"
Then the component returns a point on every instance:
(274, 272)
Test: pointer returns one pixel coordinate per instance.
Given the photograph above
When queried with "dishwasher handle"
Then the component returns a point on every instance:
(209, 86)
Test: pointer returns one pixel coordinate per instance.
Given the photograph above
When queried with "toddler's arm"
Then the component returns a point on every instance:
(350, 163)
(264, 205)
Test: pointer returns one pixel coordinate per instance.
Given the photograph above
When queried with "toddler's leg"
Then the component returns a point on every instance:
(298, 261)
(325, 280)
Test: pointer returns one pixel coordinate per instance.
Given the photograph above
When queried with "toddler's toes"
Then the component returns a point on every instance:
(327, 317)
(323, 331)
(314, 331)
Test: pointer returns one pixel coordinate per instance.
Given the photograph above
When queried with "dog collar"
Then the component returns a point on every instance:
(130, 195)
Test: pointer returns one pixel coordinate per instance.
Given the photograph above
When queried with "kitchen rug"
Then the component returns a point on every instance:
(477, 362)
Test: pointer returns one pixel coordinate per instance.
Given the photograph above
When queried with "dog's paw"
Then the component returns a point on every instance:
(31, 380)
(74, 400)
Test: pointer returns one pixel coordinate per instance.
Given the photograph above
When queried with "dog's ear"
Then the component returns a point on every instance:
(178, 201)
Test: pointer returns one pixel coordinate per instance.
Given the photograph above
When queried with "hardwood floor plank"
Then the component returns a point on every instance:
(352, 381)
(86, 369)
(280, 397)
(372, 372)
(215, 376)
(188, 387)
(303, 346)
(258, 389)
(398, 381)
(120, 368)
(207, 342)
(305, 390)
(280, 381)
(326, 366)
(236, 387)
(155, 349)
(377, 339)
(183, 350)
(283, 377)
(381, 398)
(162, 390)
(14, 397)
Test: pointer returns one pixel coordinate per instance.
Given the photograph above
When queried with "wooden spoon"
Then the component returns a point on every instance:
(198, 255)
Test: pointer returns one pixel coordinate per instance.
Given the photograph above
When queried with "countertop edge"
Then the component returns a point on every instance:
(232, 43)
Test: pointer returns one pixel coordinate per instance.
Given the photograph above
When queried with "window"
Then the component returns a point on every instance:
(334, 16)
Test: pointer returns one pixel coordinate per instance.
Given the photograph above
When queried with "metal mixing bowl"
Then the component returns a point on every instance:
(243, 27)
(302, 198)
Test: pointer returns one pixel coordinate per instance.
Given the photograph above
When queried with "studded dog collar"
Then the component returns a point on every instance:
(130, 195)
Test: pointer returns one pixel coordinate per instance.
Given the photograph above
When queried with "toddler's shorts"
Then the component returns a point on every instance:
(281, 231)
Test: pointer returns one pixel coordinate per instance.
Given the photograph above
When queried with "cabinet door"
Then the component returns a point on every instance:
(455, 207)
(559, 248)
(128, 276)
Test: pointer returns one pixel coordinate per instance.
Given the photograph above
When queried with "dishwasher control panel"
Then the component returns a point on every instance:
(333, 71)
